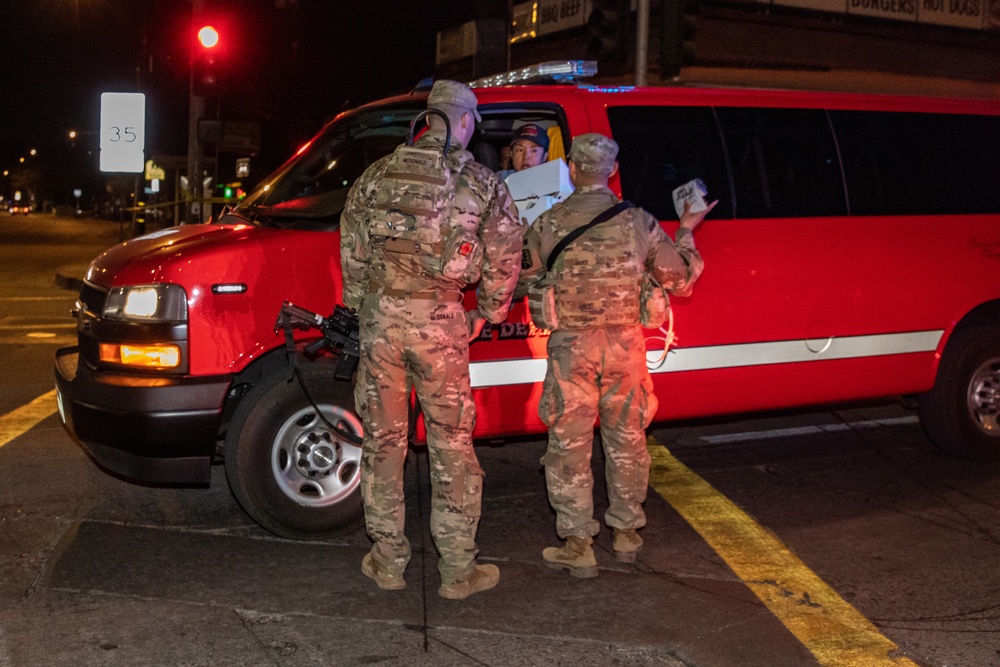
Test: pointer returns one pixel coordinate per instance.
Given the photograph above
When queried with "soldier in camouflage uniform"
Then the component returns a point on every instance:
(596, 355)
(409, 244)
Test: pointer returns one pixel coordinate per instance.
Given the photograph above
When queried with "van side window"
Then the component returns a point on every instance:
(665, 147)
(900, 163)
(784, 163)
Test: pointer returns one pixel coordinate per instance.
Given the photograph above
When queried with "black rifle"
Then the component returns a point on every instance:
(340, 334)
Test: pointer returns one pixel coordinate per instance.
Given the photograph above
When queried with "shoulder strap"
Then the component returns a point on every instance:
(604, 216)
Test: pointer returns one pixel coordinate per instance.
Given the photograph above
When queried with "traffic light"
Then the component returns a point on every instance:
(208, 37)
(204, 65)
(608, 24)
(230, 191)
(680, 21)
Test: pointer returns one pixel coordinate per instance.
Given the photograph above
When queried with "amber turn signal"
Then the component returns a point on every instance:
(146, 356)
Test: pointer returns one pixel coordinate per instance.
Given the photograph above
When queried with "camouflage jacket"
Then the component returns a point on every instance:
(482, 203)
(598, 276)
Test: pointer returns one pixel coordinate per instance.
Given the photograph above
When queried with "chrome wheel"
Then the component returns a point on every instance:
(313, 465)
(984, 397)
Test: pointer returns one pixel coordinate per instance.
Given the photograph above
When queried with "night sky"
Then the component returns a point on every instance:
(289, 65)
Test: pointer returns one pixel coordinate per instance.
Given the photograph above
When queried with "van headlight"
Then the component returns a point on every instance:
(162, 302)
(161, 306)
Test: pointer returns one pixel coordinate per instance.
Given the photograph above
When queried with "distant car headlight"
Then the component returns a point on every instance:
(162, 302)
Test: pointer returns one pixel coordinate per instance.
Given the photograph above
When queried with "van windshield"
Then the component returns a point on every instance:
(310, 189)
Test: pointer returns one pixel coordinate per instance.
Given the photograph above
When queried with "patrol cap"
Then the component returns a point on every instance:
(445, 91)
(534, 134)
(594, 153)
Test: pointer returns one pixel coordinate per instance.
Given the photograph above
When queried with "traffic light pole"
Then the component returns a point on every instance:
(196, 110)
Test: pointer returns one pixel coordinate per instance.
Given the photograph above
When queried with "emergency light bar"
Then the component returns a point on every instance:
(555, 70)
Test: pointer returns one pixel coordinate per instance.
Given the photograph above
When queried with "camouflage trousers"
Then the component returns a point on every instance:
(597, 373)
(422, 345)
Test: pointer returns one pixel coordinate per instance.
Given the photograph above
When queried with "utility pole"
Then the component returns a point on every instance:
(642, 42)
(196, 110)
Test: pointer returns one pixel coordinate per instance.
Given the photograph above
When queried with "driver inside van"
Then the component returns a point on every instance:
(529, 148)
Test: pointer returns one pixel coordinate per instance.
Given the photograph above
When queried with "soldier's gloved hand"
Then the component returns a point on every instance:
(476, 322)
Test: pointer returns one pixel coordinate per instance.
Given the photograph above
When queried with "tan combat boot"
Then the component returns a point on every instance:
(385, 581)
(627, 543)
(576, 556)
(483, 578)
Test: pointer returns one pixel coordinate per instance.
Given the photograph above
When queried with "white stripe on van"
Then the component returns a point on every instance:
(513, 371)
(526, 371)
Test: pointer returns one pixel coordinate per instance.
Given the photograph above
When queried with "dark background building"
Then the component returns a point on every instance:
(285, 66)
(947, 47)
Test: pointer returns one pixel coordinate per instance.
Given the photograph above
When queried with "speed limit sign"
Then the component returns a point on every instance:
(123, 132)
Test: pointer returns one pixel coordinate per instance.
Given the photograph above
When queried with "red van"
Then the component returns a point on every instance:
(854, 253)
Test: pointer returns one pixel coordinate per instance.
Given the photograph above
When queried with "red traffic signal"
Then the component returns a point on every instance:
(204, 68)
(208, 37)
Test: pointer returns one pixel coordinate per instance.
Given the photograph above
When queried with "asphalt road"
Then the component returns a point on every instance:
(827, 537)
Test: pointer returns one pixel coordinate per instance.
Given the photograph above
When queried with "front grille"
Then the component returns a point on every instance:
(89, 351)
(93, 298)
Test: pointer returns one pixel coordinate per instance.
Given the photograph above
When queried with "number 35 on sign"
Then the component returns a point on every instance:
(123, 132)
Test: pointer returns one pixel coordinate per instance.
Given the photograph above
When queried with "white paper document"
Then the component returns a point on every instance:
(538, 189)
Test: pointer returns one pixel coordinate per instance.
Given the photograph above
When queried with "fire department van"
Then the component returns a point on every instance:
(854, 253)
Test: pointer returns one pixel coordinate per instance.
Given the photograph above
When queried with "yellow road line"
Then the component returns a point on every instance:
(25, 417)
(830, 628)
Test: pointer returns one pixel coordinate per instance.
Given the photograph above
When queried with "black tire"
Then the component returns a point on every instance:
(286, 467)
(960, 414)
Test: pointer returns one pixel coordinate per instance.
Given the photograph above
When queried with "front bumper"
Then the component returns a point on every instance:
(151, 429)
